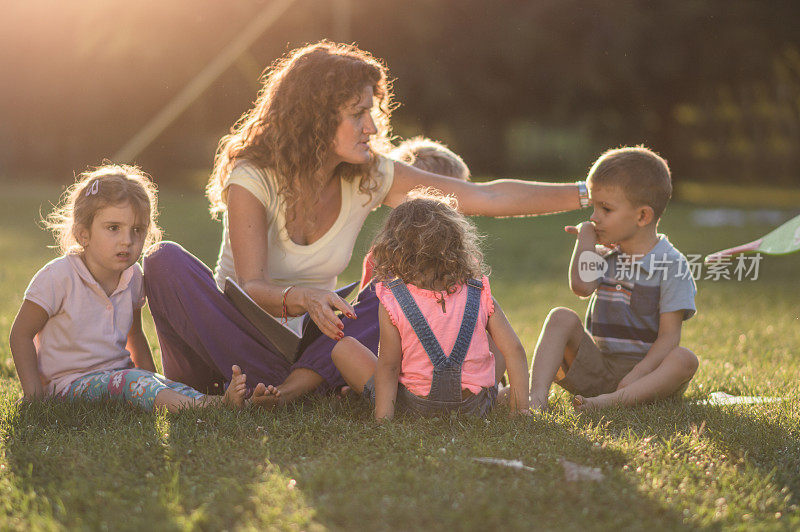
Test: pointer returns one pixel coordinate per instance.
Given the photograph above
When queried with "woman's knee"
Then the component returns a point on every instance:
(161, 258)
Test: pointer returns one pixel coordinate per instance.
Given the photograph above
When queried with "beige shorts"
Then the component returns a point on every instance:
(594, 373)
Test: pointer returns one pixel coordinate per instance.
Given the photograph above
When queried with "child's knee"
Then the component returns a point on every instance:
(342, 347)
(562, 318)
(687, 361)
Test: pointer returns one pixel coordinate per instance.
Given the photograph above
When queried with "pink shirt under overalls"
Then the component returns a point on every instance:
(416, 370)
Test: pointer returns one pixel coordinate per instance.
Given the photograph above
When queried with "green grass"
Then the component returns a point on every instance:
(325, 464)
(739, 195)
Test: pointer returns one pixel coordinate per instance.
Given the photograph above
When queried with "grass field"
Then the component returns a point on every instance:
(324, 463)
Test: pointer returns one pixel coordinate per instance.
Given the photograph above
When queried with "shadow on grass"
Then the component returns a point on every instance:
(420, 474)
(769, 441)
(325, 463)
(90, 465)
(744, 456)
(227, 478)
(87, 465)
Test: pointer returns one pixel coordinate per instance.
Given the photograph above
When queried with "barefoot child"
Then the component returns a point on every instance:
(78, 333)
(436, 310)
(641, 291)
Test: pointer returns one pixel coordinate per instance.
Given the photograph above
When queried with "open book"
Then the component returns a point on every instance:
(282, 339)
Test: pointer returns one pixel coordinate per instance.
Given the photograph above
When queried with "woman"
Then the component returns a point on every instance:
(295, 181)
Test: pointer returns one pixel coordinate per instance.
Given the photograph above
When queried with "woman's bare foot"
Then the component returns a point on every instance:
(265, 396)
(234, 395)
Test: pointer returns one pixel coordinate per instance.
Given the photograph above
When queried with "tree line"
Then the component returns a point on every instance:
(533, 88)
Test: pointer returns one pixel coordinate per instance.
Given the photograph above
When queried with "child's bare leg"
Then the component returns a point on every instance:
(355, 362)
(234, 396)
(677, 368)
(299, 382)
(558, 343)
(174, 401)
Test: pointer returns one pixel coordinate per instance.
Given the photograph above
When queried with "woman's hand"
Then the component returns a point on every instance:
(321, 306)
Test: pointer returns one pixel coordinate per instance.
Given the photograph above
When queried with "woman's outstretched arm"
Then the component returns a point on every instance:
(503, 197)
(247, 226)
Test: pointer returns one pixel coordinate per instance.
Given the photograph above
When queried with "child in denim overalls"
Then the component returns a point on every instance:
(436, 310)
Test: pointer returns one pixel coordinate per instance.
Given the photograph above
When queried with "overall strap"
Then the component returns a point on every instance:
(423, 331)
(464, 338)
(418, 322)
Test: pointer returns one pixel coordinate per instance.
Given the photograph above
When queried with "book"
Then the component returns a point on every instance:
(282, 339)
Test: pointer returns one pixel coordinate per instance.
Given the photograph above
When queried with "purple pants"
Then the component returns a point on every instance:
(202, 334)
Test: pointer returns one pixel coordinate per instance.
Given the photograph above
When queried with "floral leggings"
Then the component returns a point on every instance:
(136, 387)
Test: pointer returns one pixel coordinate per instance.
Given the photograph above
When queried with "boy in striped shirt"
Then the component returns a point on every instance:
(641, 291)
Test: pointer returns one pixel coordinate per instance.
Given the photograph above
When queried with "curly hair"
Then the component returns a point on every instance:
(426, 242)
(291, 127)
(107, 185)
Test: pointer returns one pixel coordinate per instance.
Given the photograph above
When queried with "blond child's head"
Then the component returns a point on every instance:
(431, 156)
(426, 242)
(105, 186)
(641, 174)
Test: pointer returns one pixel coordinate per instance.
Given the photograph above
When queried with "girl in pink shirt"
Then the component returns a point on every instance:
(436, 310)
(78, 333)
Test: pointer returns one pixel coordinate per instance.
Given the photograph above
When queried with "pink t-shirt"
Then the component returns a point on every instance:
(87, 330)
(416, 370)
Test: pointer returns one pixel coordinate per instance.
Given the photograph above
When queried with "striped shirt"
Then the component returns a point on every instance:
(624, 311)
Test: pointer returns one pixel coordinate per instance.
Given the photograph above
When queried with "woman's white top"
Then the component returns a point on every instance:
(316, 265)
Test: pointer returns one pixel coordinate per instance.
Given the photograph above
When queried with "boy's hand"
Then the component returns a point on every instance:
(35, 394)
(582, 230)
(586, 241)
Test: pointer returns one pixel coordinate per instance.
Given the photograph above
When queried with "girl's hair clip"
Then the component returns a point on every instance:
(94, 189)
